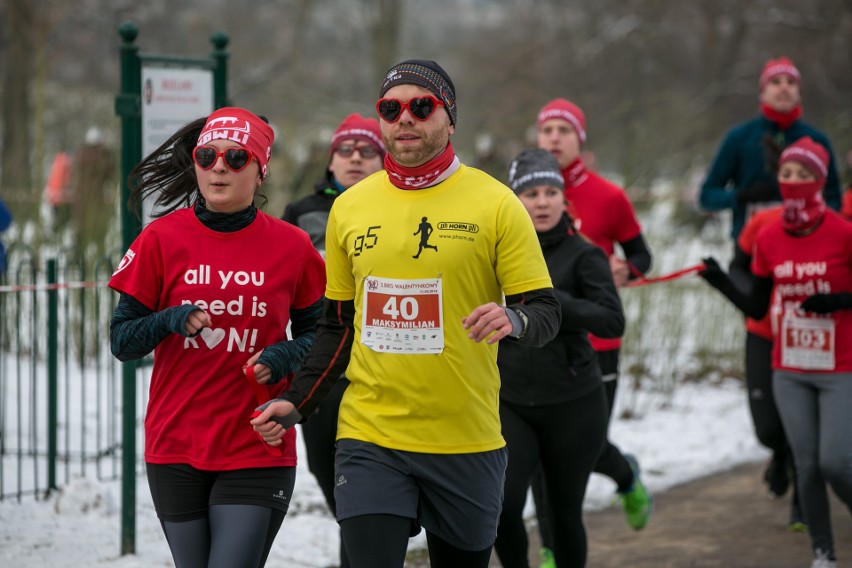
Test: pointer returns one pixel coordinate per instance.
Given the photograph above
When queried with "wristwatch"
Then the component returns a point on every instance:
(525, 322)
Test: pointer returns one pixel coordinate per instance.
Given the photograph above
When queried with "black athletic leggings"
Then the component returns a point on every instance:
(360, 532)
(220, 519)
(320, 434)
(564, 440)
(232, 536)
(611, 462)
(764, 414)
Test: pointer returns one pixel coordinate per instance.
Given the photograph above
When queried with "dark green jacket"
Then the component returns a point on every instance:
(748, 156)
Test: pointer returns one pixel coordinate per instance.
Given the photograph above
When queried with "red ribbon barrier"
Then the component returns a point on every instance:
(57, 286)
(666, 277)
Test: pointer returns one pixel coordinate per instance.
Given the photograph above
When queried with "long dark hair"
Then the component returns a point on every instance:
(169, 173)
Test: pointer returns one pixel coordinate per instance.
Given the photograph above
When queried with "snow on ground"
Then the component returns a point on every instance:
(679, 430)
(699, 429)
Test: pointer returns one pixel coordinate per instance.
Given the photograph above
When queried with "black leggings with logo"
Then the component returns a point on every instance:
(563, 441)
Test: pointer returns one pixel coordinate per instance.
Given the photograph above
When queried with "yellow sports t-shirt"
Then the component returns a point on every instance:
(416, 262)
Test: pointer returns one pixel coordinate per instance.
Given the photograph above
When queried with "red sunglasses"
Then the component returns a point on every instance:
(420, 108)
(237, 159)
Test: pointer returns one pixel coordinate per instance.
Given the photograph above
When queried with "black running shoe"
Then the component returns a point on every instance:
(776, 476)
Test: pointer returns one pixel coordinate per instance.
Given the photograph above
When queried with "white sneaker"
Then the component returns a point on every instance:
(822, 560)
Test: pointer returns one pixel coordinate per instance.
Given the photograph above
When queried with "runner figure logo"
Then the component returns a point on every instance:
(425, 231)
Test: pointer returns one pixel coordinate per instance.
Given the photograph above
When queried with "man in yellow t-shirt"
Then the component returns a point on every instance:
(419, 259)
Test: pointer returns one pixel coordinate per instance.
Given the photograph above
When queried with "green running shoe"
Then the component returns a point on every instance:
(797, 520)
(547, 559)
(637, 502)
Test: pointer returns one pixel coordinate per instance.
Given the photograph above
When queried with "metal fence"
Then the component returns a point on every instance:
(60, 388)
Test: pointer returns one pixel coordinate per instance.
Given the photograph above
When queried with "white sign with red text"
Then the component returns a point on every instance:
(171, 97)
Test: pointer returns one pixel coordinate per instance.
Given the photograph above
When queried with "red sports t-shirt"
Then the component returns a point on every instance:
(755, 224)
(820, 262)
(602, 212)
(200, 400)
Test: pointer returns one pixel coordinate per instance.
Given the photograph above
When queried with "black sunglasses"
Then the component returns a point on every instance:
(237, 159)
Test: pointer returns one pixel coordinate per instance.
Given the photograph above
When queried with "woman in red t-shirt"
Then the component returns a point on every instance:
(806, 256)
(211, 288)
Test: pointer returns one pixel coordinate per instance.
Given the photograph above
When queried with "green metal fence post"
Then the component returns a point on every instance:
(128, 107)
(220, 73)
(52, 374)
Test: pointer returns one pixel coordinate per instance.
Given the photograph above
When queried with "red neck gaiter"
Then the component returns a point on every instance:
(434, 171)
(784, 119)
(574, 174)
(804, 206)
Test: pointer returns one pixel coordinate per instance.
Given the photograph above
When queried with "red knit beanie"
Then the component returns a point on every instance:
(244, 128)
(358, 127)
(566, 110)
(810, 154)
(780, 66)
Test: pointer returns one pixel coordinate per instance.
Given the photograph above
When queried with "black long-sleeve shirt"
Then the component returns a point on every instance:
(566, 367)
(638, 256)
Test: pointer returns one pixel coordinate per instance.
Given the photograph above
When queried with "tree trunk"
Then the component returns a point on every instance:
(16, 180)
(385, 36)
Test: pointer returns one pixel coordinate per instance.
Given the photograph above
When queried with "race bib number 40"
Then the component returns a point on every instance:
(402, 316)
(807, 343)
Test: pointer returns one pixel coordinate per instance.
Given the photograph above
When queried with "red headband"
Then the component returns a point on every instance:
(243, 127)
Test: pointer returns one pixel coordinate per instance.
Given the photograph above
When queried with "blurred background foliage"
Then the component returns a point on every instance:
(660, 81)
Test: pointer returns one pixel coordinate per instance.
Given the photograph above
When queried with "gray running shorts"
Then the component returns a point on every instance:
(457, 497)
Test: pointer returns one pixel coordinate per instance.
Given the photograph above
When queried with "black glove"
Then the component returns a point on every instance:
(762, 191)
(827, 303)
(713, 274)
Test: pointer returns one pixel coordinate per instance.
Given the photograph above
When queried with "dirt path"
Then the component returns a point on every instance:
(723, 521)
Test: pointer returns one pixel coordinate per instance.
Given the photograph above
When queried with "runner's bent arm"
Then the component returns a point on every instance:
(638, 256)
(599, 311)
(286, 357)
(135, 330)
(715, 194)
(543, 316)
(326, 362)
(740, 270)
(754, 304)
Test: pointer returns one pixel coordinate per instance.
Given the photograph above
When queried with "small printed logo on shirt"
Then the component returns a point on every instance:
(125, 261)
(425, 230)
(341, 480)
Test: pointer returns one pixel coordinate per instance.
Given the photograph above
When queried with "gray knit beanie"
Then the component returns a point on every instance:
(532, 167)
